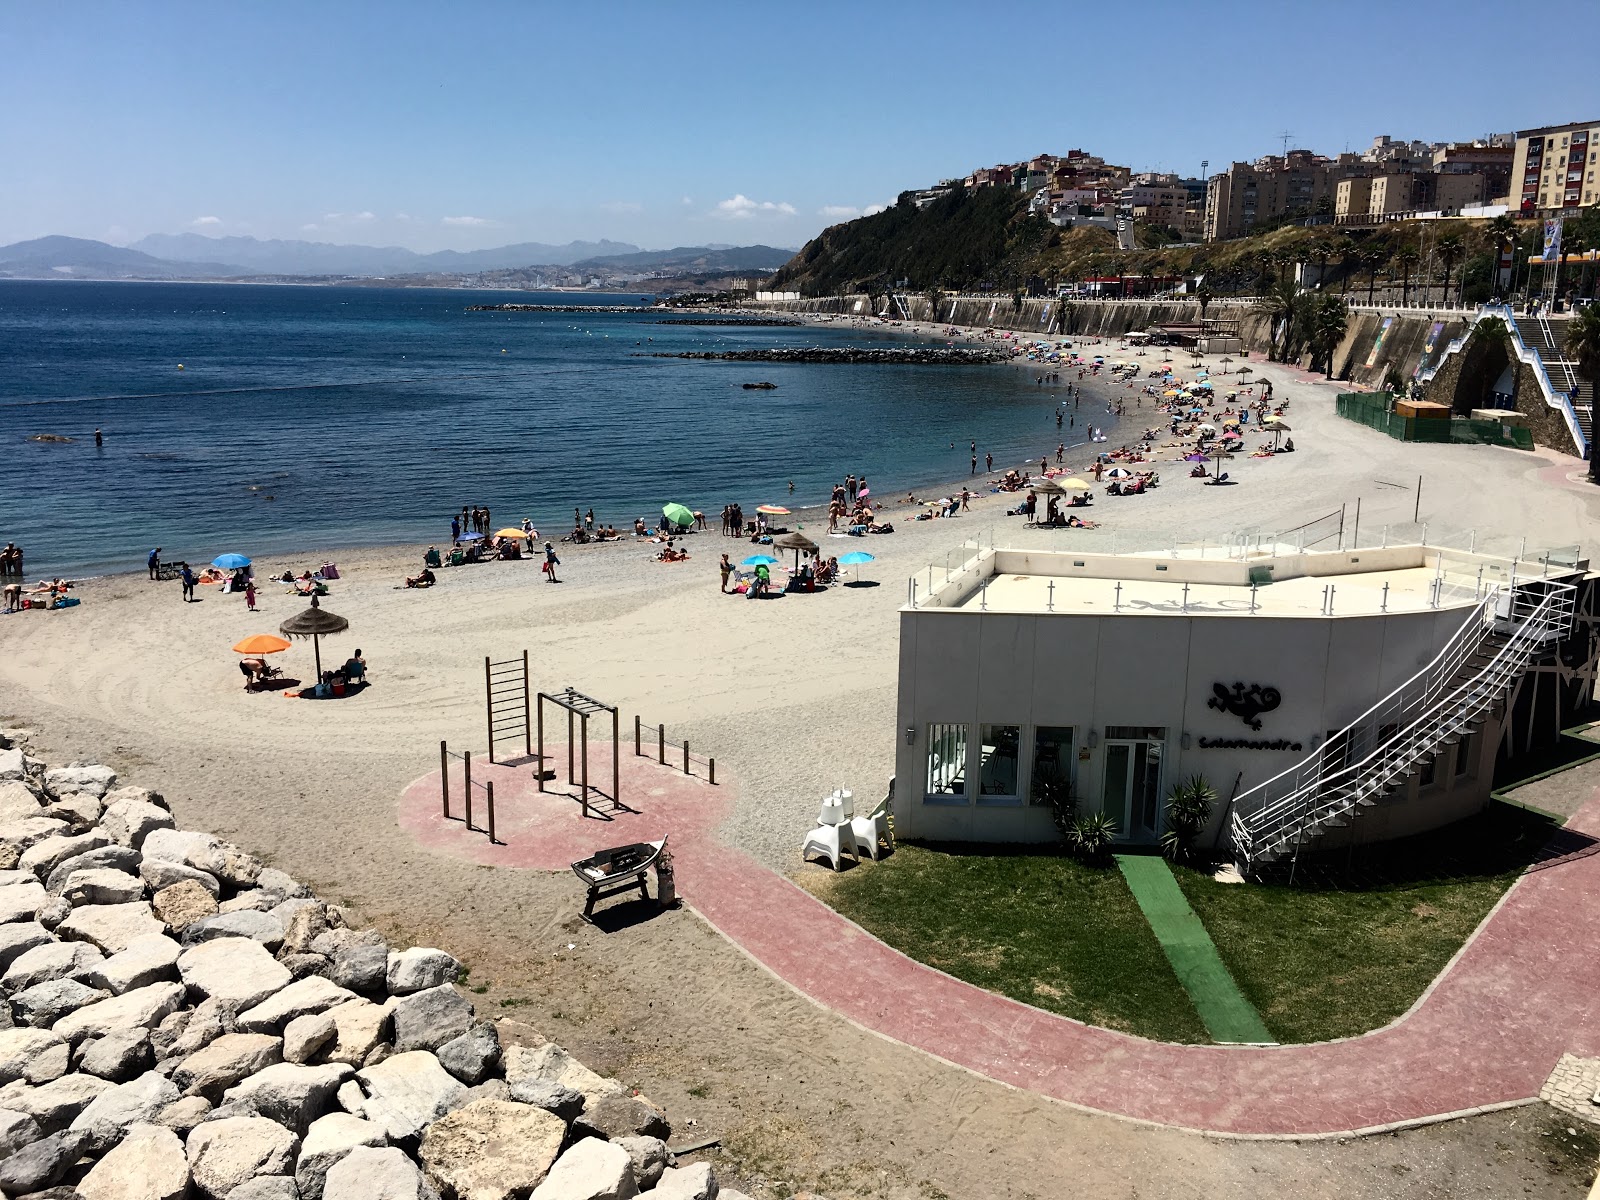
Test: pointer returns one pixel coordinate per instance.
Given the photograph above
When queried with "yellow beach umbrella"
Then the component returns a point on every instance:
(261, 643)
(1072, 481)
(511, 531)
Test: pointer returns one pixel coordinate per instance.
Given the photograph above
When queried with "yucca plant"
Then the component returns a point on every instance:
(1189, 805)
(1091, 836)
(1051, 786)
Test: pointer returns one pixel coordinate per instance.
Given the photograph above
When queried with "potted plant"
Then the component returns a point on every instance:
(1091, 835)
(1189, 806)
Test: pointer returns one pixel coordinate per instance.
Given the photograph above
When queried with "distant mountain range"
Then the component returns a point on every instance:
(191, 256)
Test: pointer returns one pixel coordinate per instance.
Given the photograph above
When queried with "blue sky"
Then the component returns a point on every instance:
(465, 125)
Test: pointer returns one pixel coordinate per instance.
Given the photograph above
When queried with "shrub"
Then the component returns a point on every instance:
(1189, 806)
(1091, 835)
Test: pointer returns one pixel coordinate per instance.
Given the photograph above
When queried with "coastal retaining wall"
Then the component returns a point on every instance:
(1400, 350)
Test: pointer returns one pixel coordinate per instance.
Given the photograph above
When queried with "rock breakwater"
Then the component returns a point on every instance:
(182, 1021)
(559, 308)
(899, 356)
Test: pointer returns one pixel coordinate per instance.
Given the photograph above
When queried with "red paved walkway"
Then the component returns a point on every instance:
(1525, 990)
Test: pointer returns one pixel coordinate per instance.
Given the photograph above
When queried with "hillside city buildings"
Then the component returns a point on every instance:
(1534, 172)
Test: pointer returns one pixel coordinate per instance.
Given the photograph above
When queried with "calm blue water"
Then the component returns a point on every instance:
(311, 417)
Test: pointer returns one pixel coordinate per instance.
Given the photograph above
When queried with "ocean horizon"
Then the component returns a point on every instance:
(268, 419)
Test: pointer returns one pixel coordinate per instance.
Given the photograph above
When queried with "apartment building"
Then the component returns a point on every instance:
(1553, 169)
(1490, 159)
(1251, 194)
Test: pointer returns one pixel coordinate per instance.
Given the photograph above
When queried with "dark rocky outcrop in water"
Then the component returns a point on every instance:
(912, 355)
(565, 308)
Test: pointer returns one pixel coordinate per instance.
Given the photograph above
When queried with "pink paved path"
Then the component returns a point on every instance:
(1526, 989)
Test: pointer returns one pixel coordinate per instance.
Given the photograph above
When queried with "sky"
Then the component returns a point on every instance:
(471, 124)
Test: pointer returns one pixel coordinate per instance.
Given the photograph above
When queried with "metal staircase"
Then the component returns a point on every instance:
(1377, 754)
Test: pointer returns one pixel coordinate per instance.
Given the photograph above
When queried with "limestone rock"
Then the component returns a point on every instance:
(473, 1056)
(362, 968)
(254, 900)
(148, 1164)
(696, 1182)
(19, 1051)
(182, 904)
(149, 958)
(266, 1187)
(45, 855)
(93, 778)
(18, 937)
(108, 1116)
(236, 970)
(22, 902)
(407, 1092)
(550, 1061)
(226, 1061)
(141, 1008)
(43, 1164)
(548, 1095)
(226, 1153)
(290, 1094)
(650, 1158)
(420, 968)
(337, 940)
(201, 851)
(47, 961)
(79, 809)
(118, 1056)
(109, 926)
(273, 880)
(489, 1089)
(371, 1173)
(16, 1131)
(304, 1036)
(111, 858)
(328, 1140)
(359, 1025)
(25, 832)
(589, 1170)
(56, 1104)
(302, 927)
(52, 914)
(428, 1019)
(44, 1004)
(350, 1097)
(248, 923)
(129, 821)
(102, 886)
(493, 1150)
(160, 874)
(614, 1115)
(302, 965)
(17, 802)
(309, 995)
(183, 1115)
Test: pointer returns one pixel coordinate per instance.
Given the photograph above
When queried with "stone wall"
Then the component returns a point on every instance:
(180, 1021)
(1466, 379)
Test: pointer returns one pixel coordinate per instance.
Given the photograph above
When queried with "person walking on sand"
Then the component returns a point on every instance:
(154, 563)
(189, 581)
(726, 568)
(250, 595)
(551, 562)
(1061, 449)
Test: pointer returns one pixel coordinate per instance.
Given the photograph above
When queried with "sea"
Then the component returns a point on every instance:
(267, 420)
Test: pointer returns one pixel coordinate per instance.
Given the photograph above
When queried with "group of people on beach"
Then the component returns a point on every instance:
(11, 561)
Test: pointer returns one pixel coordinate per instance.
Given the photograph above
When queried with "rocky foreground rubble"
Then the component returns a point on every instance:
(182, 1021)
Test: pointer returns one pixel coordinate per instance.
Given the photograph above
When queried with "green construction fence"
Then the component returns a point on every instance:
(1372, 409)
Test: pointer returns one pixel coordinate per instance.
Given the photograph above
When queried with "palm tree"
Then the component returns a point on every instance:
(1345, 248)
(1408, 257)
(1329, 322)
(1450, 250)
(1374, 260)
(1278, 305)
(1583, 348)
(1204, 295)
(1503, 231)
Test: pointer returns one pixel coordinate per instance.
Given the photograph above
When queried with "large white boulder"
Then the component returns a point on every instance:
(370, 1173)
(289, 1093)
(408, 1092)
(142, 1008)
(149, 958)
(21, 1051)
(328, 1140)
(50, 960)
(238, 971)
(589, 1170)
(233, 1150)
(102, 885)
(313, 994)
(419, 968)
(493, 1150)
(47, 854)
(358, 1026)
(108, 1116)
(22, 902)
(148, 1164)
(93, 778)
(109, 926)
(225, 1061)
(129, 822)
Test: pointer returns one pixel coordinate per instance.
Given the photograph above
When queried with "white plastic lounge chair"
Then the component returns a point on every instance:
(867, 830)
(833, 841)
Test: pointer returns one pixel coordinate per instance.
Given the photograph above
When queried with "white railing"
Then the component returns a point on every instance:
(1385, 744)
(1557, 399)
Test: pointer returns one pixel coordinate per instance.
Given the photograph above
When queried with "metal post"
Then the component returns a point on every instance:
(1252, 597)
(444, 777)
(661, 744)
(1424, 533)
(1333, 590)
(1050, 596)
(947, 566)
(1341, 526)
(1355, 534)
(1186, 597)
(1522, 548)
(1472, 541)
(1478, 591)
(711, 766)
(493, 841)
(466, 766)
(583, 732)
(983, 596)
(1384, 607)
(1116, 603)
(1417, 512)
(686, 770)
(636, 733)
(539, 766)
(616, 758)
(527, 725)
(488, 695)
(570, 778)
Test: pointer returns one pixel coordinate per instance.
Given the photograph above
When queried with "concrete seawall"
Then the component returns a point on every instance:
(1404, 338)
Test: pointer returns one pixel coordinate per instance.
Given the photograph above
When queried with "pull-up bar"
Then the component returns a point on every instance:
(580, 706)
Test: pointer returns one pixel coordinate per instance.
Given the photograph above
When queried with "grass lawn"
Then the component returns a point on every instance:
(1040, 928)
(1355, 941)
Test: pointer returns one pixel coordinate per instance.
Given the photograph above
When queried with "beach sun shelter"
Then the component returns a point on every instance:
(796, 542)
(315, 623)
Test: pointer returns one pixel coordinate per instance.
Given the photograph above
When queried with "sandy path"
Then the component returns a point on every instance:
(794, 696)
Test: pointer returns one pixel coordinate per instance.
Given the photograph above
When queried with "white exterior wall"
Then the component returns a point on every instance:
(965, 666)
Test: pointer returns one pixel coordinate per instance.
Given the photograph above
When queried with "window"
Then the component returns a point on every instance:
(1053, 763)
(947, 763)
(1001, 747)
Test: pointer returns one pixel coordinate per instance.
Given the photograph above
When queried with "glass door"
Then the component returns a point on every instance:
(1117, 788)
(1131, 788)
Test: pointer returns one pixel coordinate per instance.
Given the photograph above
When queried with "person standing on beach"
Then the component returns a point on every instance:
(1061, 449)
(551, 562)
(588, 522)
(189, 581)
(455, 529)
(154, 563)
(726, 568)
(988, 461)
(250, 594)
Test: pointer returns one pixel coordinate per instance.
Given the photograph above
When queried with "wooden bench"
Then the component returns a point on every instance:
(618, 869)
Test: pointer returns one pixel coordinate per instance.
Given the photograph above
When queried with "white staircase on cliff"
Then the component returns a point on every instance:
(1378, 753)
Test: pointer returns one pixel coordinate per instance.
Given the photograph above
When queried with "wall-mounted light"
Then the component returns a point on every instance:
(911, 735)
(1183, 741)
(1094, 738)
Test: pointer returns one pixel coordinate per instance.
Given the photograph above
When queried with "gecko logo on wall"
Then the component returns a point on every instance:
(1245, 703)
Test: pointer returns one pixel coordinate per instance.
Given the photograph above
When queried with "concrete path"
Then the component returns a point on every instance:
(1522, 992)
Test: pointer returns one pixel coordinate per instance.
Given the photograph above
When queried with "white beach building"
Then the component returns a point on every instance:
(1332, 695)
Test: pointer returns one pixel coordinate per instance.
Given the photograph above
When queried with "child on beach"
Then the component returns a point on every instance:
(250, 596)
(726, 568)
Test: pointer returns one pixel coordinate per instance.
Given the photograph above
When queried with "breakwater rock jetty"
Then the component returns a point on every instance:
(560, 308)
(181, 1020)
(756, 321)
(900, 356)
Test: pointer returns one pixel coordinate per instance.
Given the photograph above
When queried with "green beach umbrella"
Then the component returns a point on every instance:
(678, 514)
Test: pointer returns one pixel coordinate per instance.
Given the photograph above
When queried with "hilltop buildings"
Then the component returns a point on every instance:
(1553, 169)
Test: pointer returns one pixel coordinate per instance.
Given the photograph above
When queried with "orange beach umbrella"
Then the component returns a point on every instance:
(261, 643)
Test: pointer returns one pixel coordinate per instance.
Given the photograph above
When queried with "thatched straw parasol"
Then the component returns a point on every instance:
(796, 542)
(314, 623)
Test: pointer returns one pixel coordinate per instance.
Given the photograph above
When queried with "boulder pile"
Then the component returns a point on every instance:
(182, 1022)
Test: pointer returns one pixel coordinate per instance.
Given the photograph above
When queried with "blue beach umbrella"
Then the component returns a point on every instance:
(468, 537)
(759, 560)
(854, 559)
(230, 562)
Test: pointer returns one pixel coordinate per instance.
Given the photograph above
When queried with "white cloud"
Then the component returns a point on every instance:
(467, 221)
(874, 208)
(687, 200)
(311, 228)
(200, 222)
(403, 217)
(838, 212)
(742, 208)
(346, 218)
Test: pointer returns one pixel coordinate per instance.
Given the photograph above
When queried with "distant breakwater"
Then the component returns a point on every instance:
(758, 321)
(560, 308)
(913, 356)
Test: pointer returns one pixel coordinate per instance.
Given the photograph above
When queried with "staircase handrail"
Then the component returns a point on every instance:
(1554, 397)
(1441, 714)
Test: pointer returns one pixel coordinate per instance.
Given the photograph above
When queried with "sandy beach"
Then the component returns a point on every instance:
(793, 696)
